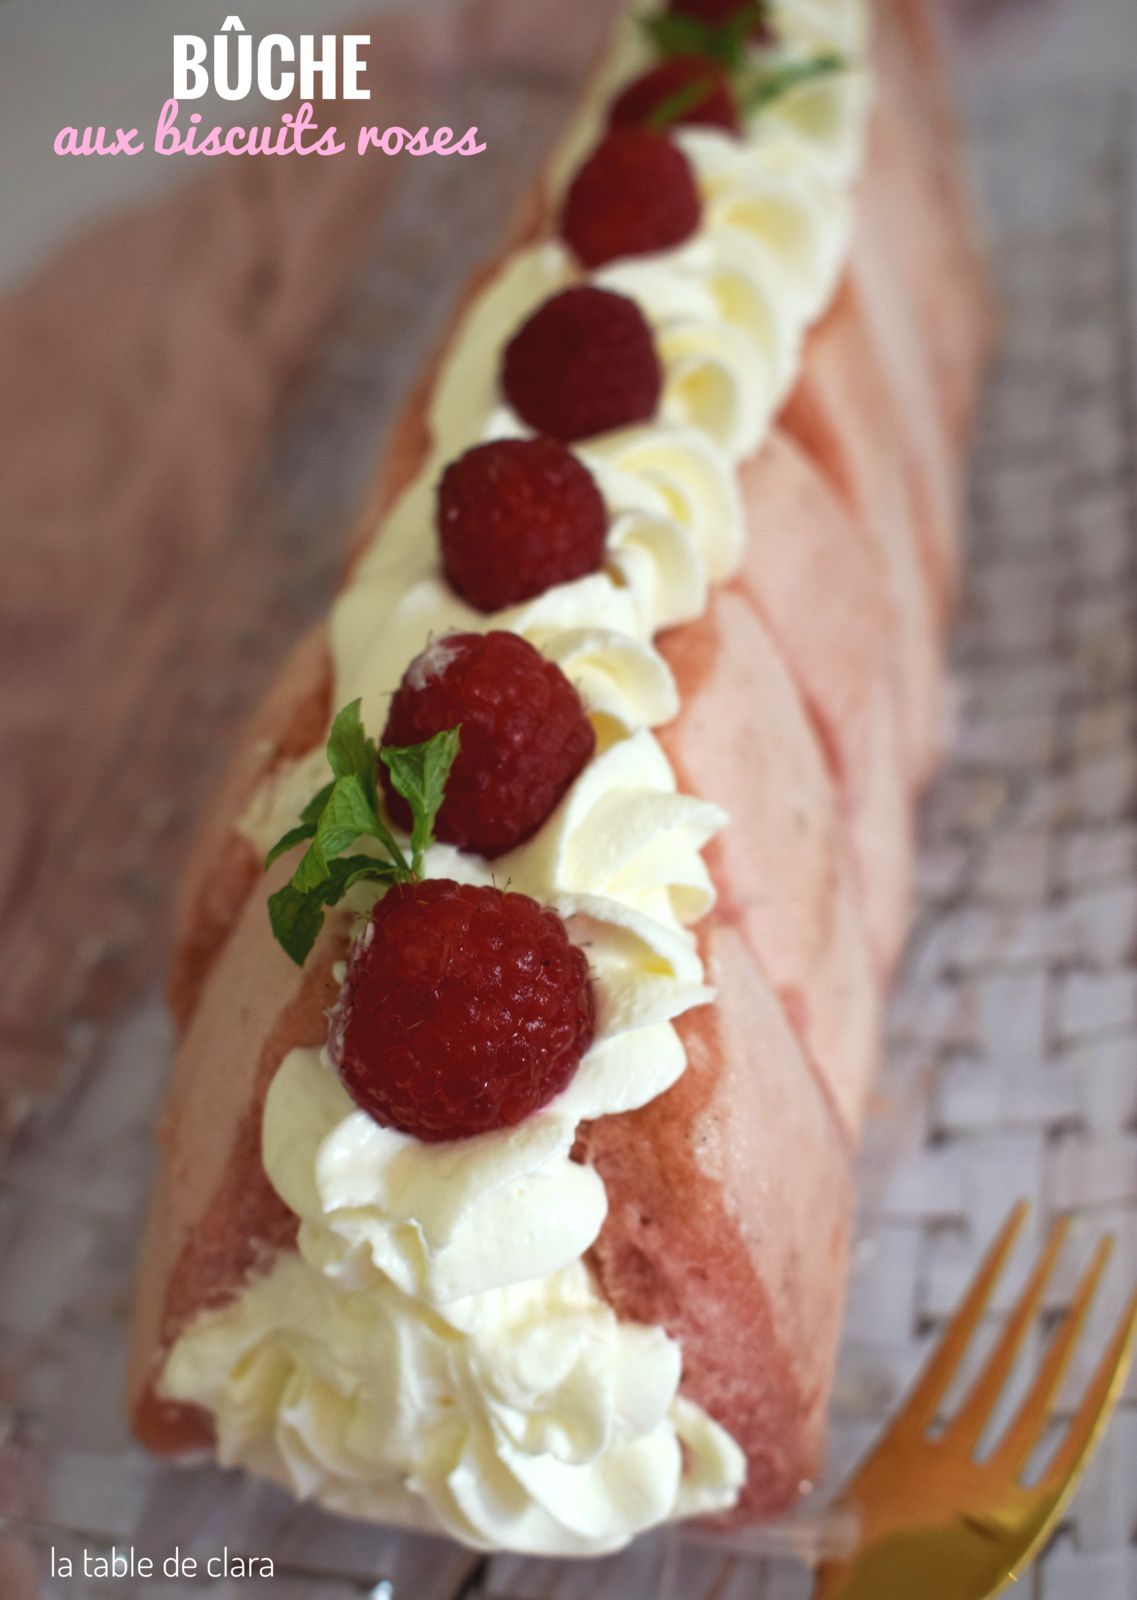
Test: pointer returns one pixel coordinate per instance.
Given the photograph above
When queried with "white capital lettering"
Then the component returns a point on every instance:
(190, 77)
(272, 81)
(354, 67)
(322, 65)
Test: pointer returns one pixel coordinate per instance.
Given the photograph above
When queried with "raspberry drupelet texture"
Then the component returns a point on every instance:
(524, 736)
(695, 87)
(634, 194)
(464, 1009)
(584, 363)
(515, 517)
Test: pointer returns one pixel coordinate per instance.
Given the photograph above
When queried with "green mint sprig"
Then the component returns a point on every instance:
(677, 105)
(757, 82)
(675, 34)
(769, 81)
(346, 810)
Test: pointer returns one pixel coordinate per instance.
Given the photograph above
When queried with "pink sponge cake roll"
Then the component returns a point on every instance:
(825, 602)
(841, 413)
(729, 1204)
(916, 156)
(782, 869)
(506, 1169)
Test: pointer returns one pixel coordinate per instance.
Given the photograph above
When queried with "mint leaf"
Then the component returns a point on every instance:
(347, 809)
(297, 835)
(349, 814)
(671, 109)
(751, 21)
(771, 82)
(296, 920)
(419, 773)
(297, 915)
(305, 828)
(350, 751)
(311, 812)
(675, 34)
(346, 871)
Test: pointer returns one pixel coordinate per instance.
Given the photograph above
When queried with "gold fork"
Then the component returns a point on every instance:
(935, 1521)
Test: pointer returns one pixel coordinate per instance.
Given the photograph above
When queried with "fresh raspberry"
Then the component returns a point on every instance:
(525, 736)
(464, 1009)
(636, 193)
(668, 85)
(584, 362)
(516, 517)
(719, 12)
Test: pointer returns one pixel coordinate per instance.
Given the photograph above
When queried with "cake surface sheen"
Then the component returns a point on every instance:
(623, 1308)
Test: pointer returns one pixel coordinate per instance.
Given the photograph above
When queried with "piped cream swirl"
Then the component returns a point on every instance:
(548, 1426)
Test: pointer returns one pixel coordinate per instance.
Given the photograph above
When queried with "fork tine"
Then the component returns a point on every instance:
(1097, 1403)
(1014, 1449)
(932, 1384)
(966, 1428)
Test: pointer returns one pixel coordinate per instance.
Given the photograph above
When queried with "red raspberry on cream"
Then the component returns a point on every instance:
(685, 90)
(464, 1009)
(635, 194)
(584, 363)
(515, 517)
(524, 736)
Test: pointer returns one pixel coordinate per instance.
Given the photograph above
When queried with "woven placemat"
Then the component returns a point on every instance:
(1012, 1065)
